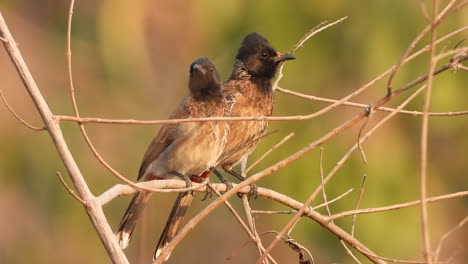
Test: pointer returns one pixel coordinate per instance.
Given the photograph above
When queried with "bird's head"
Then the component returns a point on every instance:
(259, 58)
(204, 79)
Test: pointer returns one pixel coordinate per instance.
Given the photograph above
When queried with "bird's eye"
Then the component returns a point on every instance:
(264, 54)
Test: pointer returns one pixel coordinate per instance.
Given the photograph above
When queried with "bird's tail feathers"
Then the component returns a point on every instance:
(131, 217)
(174, 222)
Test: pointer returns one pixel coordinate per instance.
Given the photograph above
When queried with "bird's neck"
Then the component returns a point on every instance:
(240, 72)
(208, 94)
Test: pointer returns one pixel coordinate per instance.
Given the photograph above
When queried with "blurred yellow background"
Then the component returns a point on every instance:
(131, 59)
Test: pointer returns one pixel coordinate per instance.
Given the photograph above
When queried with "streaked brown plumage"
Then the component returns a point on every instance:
(182, 150)
(248, 92)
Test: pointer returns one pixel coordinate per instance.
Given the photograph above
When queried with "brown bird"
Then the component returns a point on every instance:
(185, 150)
(248, 92)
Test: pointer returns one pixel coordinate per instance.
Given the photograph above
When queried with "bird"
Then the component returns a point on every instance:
(183, 150)
(249, 92)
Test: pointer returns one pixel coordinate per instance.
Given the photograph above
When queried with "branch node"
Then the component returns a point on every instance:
(369, 110)
(389, 92)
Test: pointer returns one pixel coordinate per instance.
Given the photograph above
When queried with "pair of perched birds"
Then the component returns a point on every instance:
(192, 150)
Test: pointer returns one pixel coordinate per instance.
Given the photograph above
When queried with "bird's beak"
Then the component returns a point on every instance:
(283, 56)
(200, 68)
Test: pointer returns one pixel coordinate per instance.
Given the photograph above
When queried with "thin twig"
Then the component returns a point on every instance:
(364, 106)
(69, 60)
(248, 213)
(426, 240)
(320, 27)
(22, 121)
(273, 212)
(448, 234)
(313, 208)
(458, 7)
(308, 35)
(370, 113)
(69, 190)
(455, 53)
(422, 6)
(358, 203)
(398, 206)
(250, 220)
(435, 21)
(333, 200)
(324, 195)
(269, 151)
(89, 120)
(349, 252)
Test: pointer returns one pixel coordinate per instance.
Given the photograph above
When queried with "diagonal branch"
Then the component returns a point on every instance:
(93, 209)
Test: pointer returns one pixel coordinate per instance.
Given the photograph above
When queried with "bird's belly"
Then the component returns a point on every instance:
(193, 153)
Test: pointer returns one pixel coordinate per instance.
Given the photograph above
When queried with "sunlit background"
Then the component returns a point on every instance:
(131, 59)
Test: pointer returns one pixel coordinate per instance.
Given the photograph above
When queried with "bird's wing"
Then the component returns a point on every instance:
(232, 93)
(164, 138)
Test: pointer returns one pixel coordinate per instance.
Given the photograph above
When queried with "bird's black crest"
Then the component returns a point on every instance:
(254, 43)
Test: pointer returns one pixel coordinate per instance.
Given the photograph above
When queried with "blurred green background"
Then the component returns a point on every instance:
(131, 59)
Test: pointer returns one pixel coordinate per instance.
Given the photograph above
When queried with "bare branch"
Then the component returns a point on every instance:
(399, 206)
(424, 137)
(320, 27)
(364, 106)
(69, 60)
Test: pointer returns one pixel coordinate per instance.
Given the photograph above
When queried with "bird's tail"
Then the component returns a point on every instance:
(174, 222)
(131, 217)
